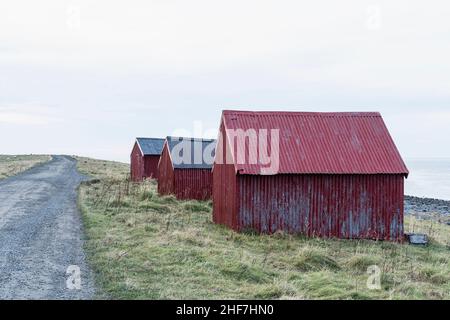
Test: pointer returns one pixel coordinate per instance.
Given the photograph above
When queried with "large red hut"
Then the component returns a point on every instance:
(329, 174)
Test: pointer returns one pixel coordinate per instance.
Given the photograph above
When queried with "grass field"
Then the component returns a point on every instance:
(143, 246)
(11, 165)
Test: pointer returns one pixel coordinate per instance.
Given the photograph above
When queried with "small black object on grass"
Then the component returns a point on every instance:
(91, 182)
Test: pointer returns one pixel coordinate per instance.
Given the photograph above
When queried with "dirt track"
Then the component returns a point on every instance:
(41, 233)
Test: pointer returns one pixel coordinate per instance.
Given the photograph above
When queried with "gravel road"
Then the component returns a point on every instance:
(41, 234)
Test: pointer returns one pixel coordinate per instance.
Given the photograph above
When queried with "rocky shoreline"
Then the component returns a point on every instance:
(428, 208)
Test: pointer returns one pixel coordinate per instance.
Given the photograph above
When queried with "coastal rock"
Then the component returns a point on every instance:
(427, 208)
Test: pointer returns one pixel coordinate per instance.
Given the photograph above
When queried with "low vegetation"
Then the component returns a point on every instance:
(12, 165)
(143, 246)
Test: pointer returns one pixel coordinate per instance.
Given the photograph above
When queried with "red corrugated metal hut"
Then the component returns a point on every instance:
(145, 158)
(338, 175)
(185, 168)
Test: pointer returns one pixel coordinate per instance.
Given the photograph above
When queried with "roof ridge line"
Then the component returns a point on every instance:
(308, 113)
(188, 138)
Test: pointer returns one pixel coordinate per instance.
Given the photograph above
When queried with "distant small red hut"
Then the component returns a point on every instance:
(185, 168)
(145, 157)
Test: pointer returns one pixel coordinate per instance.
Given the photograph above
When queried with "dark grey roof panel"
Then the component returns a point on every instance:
(150, 146)
(191, 153)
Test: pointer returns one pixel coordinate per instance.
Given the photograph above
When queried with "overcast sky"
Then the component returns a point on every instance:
(87, 77)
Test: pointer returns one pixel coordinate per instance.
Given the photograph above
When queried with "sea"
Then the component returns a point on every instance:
(429, 178)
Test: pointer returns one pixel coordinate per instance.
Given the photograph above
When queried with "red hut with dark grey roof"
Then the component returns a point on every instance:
(185, 168)
(330, 175)
(145, 158)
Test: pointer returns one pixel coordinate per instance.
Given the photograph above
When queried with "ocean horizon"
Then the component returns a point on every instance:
(428, 178)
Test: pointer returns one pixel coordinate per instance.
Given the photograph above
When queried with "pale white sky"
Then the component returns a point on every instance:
(86, 77)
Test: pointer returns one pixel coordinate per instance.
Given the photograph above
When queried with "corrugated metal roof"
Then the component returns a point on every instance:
(150, 146)
(200, 152)
(323, 143)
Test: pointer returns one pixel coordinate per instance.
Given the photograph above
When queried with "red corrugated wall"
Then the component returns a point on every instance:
(166, 181)
(151, 167)
(224, 195)
(341, 206)
(136, 164)
(224, 191)
(193, 184)
(143, 166)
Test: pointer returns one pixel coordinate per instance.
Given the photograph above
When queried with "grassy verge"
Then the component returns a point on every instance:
(12, 165)
(143, 246)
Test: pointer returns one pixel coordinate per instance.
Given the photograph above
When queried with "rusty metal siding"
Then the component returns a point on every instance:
(341, 206)
(136, 164)
(165, 173)
(193, 184)
(224, 195)
(224, 183)
(323, 143)
(151, 167)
